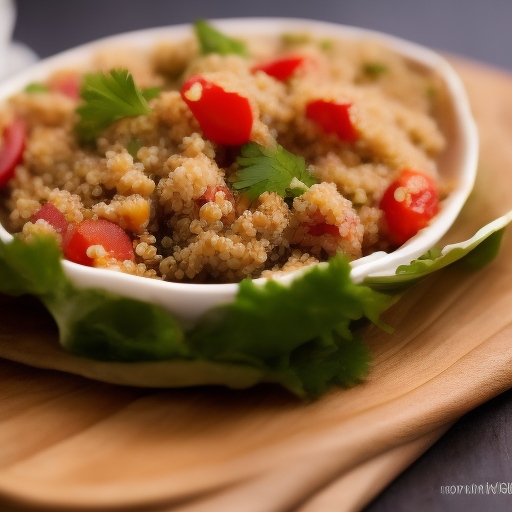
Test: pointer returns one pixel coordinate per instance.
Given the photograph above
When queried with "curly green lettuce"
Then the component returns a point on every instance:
(302, 336)
(298, 335)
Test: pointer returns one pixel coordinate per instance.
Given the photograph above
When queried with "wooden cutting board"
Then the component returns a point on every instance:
(69, 442)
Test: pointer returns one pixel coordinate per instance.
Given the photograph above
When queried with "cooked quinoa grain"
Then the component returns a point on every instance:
(355, 115)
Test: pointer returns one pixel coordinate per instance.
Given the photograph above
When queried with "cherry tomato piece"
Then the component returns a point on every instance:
(323, 228)
(11, 152)
(102, 232)
(53, 216)
(280, 69)
(225, 117)
(67, 85)
(209, 195)
(333, 117)
(408, 204)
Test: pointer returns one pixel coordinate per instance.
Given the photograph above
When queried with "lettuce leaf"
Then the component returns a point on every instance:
(298, 335)
(316, 366)
(473, 254)
(271, 320)
(93, 323)
(302, 336)
(32, 269)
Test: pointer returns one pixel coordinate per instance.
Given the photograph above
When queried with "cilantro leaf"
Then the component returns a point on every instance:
(266, 170)
(299, 335)
(108, 98)
(151, 93)
(473, 254)
(295, 38)
(36, 88)
(213, 41)
(133, 147)
(375, 69)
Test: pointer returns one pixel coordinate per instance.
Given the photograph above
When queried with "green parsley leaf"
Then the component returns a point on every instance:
(36, 88)
(133, 147)
(375, 69)
(265, 170)
(473, 254)
(108, 98)
(326, 44)
(151, 93)
(483, 253)
(213, 41)
(295, 38)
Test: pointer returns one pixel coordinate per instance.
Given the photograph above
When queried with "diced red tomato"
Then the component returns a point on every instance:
(114, 240)
(333, 117)
(408, 204)
(225, 117)
(319, 226)
(209, 195)
(67, 85)
(53, 216)
(281, 69)
(322, 228)
(12, 149)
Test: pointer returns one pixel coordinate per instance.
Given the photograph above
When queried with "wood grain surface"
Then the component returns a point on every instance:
(71, 443)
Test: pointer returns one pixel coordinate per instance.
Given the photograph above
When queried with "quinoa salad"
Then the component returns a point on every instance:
(212, 159)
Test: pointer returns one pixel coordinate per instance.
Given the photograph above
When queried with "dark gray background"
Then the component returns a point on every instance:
(477, 28)
(477, 449)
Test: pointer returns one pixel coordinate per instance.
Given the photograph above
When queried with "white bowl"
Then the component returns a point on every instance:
(189, 301)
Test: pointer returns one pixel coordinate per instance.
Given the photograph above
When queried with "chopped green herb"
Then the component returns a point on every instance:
(36, 88)
(107, 99)
(295, 38)
(326, 44)
(213, 41)
(151, 93)
(375, 69)
(133, 147)
(265, 170)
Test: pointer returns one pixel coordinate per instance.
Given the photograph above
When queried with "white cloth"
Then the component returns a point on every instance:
(13, 56)
(18, 57)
